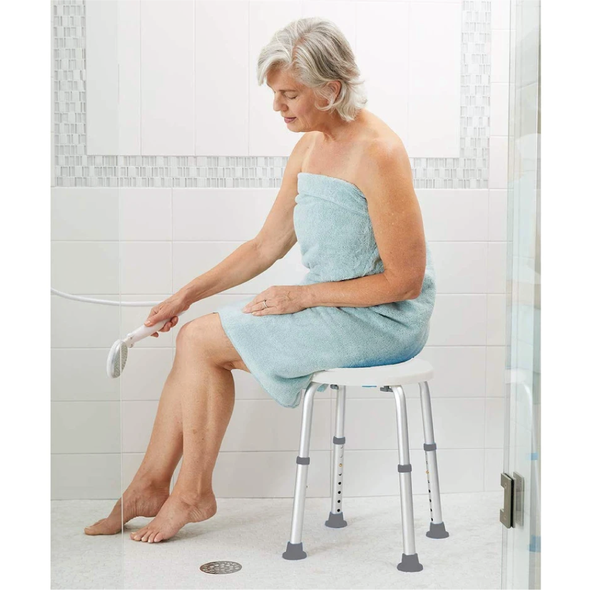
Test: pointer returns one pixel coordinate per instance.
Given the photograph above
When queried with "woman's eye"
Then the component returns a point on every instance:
(291, 97)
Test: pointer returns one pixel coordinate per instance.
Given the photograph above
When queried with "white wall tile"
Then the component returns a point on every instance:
(275, 475)
(95, 476)
(129, 57)
(85, 267)
(382, 39)
(454, 215)
(167, 77)
(500, 14)
(434, 91)
(144, 378)
(496, 267)
(146, 214)
(499, 102)
(260, 425)
(458, 423)
(137, 423)
(498, 162)
(498, 214)
(496, 319)
(80, 374)
(146, 267)
(221, 73)
(84, 214)
(374, 473)
(235, 214)
(494, 426)
(460, 267)
(495, 371)
(500, 57)
(102, 78)
(459, 371)
(76, 324)
(458, 320)
(494, 461)
(85, 427)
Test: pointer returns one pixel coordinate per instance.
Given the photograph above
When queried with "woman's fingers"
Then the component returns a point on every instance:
(167, 326)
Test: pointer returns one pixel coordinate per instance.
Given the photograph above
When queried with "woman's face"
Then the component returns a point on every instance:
(292, 99)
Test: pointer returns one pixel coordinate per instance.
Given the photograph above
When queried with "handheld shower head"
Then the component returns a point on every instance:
(117, 358)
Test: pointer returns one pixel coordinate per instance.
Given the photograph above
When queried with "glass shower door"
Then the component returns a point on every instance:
(86, 438)
(521, 477)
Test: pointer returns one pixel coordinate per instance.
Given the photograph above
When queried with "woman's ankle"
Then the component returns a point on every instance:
(193, 493)
(152, 480)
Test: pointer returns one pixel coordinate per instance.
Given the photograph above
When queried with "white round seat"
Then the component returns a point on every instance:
(413, 371)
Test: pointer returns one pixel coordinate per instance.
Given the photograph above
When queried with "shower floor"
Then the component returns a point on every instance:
(254, 533)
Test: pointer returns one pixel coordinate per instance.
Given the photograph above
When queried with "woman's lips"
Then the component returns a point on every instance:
(288, 120)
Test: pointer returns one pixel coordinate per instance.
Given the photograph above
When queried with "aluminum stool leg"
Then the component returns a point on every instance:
(295, 545)
(409, 562)
(437, 526)
(336, 517)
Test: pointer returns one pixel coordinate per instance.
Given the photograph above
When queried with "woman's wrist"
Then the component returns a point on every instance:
(186, 296)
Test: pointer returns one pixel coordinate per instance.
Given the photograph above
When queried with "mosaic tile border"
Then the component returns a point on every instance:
(74, 168)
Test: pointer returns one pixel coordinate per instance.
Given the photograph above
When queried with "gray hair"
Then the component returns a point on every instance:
(315, 51)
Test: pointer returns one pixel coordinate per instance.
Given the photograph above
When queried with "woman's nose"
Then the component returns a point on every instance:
(278, 105)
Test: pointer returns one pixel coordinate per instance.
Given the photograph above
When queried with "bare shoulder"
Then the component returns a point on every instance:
(384, 160)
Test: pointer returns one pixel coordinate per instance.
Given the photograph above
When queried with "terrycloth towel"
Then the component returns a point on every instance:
(335, 234)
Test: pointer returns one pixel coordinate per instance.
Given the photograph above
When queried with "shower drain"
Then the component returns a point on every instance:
(221, 567)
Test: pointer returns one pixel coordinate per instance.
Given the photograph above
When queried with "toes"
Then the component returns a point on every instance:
(94, 529)
(137, 535)
(151, 537)
(92, 526)
(158, 538)
(145, 537)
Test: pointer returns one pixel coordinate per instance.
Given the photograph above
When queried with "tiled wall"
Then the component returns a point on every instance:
(117, 217)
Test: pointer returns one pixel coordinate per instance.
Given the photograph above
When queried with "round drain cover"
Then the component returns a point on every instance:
(221, 567)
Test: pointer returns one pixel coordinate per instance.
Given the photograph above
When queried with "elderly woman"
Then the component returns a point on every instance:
(347, 197)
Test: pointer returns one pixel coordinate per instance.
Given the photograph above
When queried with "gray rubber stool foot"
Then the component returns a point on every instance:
(410, 563)
(294, 551)
(336, 521)
(437, 531)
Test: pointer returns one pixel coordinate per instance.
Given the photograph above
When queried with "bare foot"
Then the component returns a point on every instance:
(177, 511)
(138, 500)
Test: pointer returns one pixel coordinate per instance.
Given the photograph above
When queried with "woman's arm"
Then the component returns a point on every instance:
(360, 292)
(243, 264)
(396, 219)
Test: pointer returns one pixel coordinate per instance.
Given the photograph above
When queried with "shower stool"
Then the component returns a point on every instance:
(387, 378)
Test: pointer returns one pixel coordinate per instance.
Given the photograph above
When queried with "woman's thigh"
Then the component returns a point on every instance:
(207, 329)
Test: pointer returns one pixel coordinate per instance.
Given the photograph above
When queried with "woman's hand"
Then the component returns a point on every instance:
(279, 299)
(167, 309)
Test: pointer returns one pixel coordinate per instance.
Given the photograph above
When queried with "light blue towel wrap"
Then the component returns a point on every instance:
(335, 234)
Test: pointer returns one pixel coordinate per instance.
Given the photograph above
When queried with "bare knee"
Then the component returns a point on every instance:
(194, 333)
(205, 335)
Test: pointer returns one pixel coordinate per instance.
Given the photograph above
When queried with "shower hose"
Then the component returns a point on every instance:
(105, 301)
